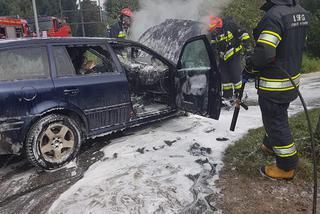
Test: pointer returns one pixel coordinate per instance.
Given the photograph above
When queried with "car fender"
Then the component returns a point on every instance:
(51, 107)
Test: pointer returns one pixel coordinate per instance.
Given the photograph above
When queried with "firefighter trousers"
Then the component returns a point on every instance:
(278, 135)
(231, 75)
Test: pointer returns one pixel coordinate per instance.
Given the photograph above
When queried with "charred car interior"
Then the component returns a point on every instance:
(148, 79)
(85, 60)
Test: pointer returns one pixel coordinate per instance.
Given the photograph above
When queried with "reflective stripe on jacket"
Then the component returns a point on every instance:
(230, 39)
(231, 52)
(280, 37)
(267, 84)
(223, 37)
(244, 36)
(270, 38)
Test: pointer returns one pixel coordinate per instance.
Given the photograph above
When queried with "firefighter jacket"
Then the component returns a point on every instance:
(227, 43)
(280, 40)
(116, 31)
(230, 40)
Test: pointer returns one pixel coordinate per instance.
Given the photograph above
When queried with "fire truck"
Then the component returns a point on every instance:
(53, 26)
(12, 28)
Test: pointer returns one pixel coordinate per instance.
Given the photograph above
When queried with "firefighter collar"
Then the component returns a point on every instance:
(270, 3)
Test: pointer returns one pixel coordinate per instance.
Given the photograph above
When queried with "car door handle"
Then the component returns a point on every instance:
(71, 91)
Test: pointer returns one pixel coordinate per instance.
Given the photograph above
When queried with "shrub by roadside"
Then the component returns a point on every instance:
(310, 64)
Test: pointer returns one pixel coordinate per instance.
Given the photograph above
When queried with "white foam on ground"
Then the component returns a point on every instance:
(155, 181)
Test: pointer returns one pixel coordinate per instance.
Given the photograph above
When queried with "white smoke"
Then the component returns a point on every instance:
(153, 12)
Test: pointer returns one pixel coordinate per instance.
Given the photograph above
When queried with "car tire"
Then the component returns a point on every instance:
(53, 141)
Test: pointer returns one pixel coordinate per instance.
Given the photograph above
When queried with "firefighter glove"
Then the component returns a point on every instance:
(248, 72)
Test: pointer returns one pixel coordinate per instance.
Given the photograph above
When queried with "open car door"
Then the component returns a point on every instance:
(197, 79)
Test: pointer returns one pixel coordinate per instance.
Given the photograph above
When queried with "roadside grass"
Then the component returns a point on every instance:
(310, 64)
(246, 157)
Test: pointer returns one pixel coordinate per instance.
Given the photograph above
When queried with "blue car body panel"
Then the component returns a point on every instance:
(102, 103)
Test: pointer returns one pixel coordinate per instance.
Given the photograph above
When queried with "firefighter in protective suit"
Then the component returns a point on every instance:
(280, 39)
(228, 39)
(120, 29)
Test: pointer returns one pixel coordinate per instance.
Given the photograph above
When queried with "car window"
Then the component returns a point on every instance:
(91, 60)
(24, 63)
(195, 55)
(139, 63)
(63, 62)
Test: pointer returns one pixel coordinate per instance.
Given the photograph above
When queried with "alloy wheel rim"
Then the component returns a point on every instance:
(57, 142)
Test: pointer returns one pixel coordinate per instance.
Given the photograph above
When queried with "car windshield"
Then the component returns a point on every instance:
(44, 25)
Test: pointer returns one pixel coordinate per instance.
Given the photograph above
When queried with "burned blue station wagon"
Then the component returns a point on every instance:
(56, 93)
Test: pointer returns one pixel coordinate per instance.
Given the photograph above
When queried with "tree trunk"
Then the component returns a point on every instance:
(317, 131)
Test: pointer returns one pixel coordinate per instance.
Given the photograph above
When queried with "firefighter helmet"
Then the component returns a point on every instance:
(215, 22)
(126, 12)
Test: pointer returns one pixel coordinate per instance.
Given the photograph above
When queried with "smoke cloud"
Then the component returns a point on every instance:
(154, 12)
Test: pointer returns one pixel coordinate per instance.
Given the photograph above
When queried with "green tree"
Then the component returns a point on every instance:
(248, 14)
(113, 8)
(23, 8)
(71, 13)
(48, 8)
(313, 42)
(91, 13)
(4, 8)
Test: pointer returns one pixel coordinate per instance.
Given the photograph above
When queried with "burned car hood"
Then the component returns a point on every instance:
(168, 37)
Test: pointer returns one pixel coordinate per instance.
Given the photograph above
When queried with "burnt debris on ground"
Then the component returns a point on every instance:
(203, 195)
(197, 150)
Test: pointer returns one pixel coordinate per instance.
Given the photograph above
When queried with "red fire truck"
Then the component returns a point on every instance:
(12, 28)
(54, 26)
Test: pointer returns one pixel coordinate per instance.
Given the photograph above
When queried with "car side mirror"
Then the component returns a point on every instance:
(59, 25)
(134, 53)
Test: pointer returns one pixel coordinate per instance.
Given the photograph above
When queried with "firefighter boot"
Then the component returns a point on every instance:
(266, 150)
(275, 173)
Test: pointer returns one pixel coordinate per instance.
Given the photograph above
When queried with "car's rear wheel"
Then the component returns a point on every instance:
(53, 141)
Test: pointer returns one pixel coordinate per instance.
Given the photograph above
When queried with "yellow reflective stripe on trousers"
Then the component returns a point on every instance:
(122, 34)
(238, 85)
(285, 151)
(227, 86)
(278, 84)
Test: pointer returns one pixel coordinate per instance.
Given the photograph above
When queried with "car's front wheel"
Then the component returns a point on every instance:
(53, 141)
